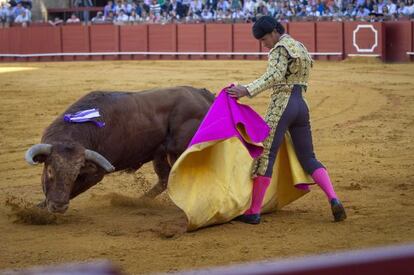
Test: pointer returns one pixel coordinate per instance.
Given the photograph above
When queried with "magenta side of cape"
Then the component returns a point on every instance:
(221, 123)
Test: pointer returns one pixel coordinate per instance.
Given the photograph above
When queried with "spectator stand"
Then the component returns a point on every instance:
(65, 13)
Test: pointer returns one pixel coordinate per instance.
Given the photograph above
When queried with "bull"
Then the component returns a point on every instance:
(154, 125)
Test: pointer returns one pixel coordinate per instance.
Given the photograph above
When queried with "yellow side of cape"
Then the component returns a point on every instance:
(211, 181)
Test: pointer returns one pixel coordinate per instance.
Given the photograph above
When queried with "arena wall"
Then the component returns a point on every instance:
(399, 40)
(389, 41)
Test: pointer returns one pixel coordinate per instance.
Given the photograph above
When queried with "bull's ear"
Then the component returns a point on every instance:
(88, 168)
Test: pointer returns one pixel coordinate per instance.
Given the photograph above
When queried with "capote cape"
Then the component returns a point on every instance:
(211, 181)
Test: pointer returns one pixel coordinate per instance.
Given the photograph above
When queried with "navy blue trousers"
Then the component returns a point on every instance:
(295, 119)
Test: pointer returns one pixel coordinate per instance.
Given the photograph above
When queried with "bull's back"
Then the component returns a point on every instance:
(136, 123)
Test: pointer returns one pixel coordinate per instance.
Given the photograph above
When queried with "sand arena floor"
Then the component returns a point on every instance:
(363, 126)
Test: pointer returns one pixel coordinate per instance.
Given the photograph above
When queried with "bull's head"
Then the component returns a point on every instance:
(66, 166)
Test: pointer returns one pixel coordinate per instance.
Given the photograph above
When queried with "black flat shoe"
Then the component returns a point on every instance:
(338, 210)
(249, 218)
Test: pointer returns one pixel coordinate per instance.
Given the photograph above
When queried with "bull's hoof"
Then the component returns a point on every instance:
(338, 210)
(42, 204)
(249, 218)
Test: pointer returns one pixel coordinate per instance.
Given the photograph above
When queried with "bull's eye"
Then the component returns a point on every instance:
(49, 173)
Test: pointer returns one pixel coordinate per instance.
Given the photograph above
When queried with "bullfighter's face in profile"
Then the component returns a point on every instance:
(269, 40)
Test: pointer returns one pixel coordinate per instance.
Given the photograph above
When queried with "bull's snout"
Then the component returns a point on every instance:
(57, 207)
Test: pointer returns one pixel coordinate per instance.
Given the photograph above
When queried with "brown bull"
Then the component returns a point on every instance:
(153, 125)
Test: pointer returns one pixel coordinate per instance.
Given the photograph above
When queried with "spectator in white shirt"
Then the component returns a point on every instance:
(99, 18)
(314, 12)
(410, 6)
(129, 7)
(223, 5)
(73, 19)
(4, 13)
(248, 6)
(403, 10)
(134, 17)
(361, 12)
(381, 5)
(110, 18)
(238, 15)
(207, 15)
(121, 17)
(196, 6)
(118, 7)
(56, 22)
(17, 10)
(22, 18)
(392, 8)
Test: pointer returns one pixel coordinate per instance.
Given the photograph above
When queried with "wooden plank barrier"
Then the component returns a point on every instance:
(324, 40)
(329, 39)
(6, 44)
(33, 40)
(305, 32)
(75, 39)
(243, 41)
(398, 42)
(219, 38)
(104, 38)
(162, 38)
(191, 38)
(133, 38)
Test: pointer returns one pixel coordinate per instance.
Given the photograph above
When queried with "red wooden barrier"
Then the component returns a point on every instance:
(133, 39)
(412, 43)
(15, 35)
(329, 39)
(191, 38)
(364, 39)
(350, 38)
(219, 38)
(305, 33)
(104, 38)
(162, 38)
(75, 39)
(33, 40)
(399, 39)
(5, 43)
(244, 41)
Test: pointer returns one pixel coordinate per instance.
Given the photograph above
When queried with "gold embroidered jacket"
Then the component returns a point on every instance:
(289, 63)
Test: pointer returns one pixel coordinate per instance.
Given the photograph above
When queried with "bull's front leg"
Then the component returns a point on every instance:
(162, 168)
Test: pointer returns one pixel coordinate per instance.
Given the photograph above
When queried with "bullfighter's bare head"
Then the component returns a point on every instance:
(68, 167)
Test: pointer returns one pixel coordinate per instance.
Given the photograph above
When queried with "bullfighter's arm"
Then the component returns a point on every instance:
(276, 70)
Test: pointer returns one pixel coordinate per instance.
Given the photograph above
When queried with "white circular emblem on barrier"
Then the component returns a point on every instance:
(367, 50)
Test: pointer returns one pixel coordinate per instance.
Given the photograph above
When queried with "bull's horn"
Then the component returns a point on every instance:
(99, 159)
(37, 149)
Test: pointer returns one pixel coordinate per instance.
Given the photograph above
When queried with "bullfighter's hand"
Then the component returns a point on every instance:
(237, 91)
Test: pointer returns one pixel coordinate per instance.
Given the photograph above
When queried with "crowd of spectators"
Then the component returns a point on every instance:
(167, 11)
(163, 11)
(16, 11)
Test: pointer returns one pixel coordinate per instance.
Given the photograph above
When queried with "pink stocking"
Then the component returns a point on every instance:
(260, 185)
(321, 178)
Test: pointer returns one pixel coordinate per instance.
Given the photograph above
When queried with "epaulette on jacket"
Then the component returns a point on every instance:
(290, 45)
